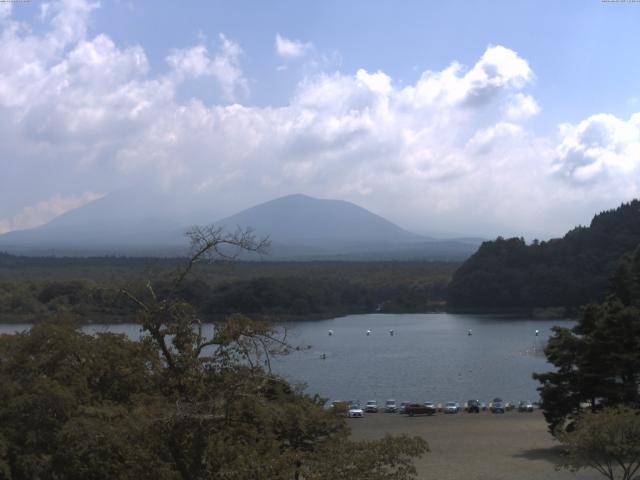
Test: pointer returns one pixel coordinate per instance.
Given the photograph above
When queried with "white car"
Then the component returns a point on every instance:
(390, 406)
(452, 407)
(355, 411)
(371, 406)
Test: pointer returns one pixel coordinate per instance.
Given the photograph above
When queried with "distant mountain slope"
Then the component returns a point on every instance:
(300, 227)
(299, 219)
(127, 222)
(567, 272)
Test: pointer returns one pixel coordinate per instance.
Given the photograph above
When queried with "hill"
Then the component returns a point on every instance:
(300, 228)
(299, 219)
(566, 272)
(126, 222)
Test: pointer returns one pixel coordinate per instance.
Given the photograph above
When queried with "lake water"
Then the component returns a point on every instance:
(429, 357)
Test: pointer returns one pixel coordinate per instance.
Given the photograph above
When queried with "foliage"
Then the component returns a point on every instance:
(597, 361)
(607, 441)
(176, 405)
(90, 288)
(567, 272)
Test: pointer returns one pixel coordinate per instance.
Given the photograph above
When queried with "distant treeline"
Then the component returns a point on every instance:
(33, 288)
(567, 272)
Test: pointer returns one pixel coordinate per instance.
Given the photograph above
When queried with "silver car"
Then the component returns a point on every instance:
(452, 407)
(355, 411)
(390, 406)
(371, 406)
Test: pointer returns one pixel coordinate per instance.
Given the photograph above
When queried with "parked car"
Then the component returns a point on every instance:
(403, 407)
(473, 406)
(390, 406)
(418, 409)
(432, 406)
(371, 406)
(525, 406)
(355, 411)
(452, 407)
(497, 406)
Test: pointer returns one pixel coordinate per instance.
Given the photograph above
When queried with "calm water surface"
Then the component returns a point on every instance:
(429, 357)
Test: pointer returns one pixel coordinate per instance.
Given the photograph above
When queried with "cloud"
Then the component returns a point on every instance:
(521, 106)
(601, 149)
(448, 151)
(195, 62)
(289, 49)
(42, 212)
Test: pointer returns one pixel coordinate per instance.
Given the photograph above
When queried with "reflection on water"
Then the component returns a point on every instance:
(428, 357)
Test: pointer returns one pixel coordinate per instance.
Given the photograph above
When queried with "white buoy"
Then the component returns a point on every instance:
(330, 332)
(368, 332)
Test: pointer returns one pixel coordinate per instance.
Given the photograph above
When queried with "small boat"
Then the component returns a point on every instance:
(368, 332)
(537, 332)
(469, 332)
(323, 356)
(391, 332)
(330, 332)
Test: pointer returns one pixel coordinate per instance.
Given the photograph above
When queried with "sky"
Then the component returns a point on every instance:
(451, 118)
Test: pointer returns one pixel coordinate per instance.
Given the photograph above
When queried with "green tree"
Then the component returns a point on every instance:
(179, 404)
(598, 361)
(607, 441)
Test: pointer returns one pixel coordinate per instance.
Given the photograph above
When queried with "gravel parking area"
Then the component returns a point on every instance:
(481, 446)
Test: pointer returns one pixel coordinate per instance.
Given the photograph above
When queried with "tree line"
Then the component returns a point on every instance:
(568, 272)
(287, 293)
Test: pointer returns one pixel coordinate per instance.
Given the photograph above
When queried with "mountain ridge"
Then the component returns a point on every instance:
(300, 227)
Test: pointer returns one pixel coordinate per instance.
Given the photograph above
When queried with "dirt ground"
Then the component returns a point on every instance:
(480, 446)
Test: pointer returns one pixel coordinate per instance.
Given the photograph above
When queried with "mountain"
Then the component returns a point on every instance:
(299, 219)
(300, 228)
(566, 272)
(125, 222)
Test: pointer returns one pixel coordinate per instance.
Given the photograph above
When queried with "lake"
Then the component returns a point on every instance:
(429, 357)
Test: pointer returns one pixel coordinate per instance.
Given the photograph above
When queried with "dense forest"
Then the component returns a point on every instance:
(566, 272)
(33, 288)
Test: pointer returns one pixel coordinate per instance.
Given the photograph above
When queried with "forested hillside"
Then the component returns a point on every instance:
(32, 289)
(566, 272)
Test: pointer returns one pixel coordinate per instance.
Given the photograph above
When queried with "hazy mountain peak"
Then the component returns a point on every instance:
(301, 218)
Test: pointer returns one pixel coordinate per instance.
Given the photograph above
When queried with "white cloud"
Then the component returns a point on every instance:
(195, 62)
(42, 212)
(522, 106)
(601, 149)
(287, 48)
(447, 152)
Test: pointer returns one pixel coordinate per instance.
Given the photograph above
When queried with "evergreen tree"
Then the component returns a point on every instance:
(597, 361)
